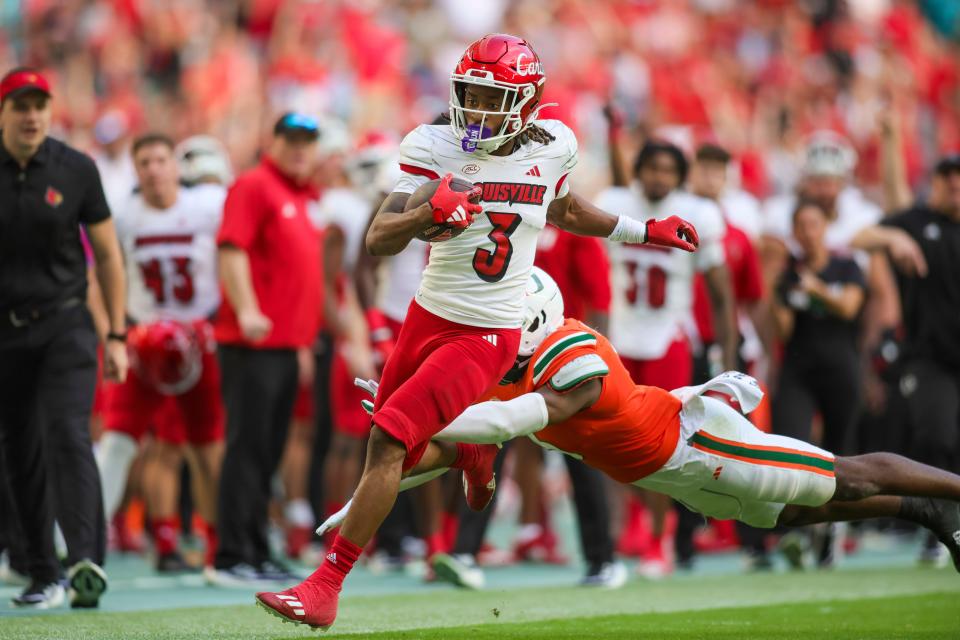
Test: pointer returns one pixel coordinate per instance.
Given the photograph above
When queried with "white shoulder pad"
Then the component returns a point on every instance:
(564, 146)
(417, 165)
(417, 147)
(578, 371)
(542, 361)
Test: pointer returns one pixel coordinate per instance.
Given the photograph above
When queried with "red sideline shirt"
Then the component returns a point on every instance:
(580, 266)
(265, 214)
(745, 276)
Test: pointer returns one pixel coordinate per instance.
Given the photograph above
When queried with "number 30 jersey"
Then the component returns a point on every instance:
(171, 255)
(653, 286)
(478, 278)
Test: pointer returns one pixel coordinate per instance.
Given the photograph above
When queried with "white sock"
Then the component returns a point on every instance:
(298, 513)
(114, 456)
(529, 532)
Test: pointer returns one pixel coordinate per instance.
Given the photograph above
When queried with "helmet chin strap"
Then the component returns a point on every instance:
(516, 371)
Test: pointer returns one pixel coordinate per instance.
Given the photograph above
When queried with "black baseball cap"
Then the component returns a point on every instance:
(948, 164)
(293, 122)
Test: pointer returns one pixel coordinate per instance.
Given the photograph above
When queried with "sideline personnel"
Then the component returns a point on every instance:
(270, 271)
(48, 360)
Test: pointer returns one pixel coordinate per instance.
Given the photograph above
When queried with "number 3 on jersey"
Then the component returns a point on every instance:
(491, 266)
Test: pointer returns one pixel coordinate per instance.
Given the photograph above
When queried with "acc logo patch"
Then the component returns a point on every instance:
(53, 197)
(470, 169)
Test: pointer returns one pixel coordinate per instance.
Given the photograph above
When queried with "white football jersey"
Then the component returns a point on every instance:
(347, 210)
(171, 255)
(854, 213)
(400, 277)
(653, 286)
(479, 277)
(742, 210)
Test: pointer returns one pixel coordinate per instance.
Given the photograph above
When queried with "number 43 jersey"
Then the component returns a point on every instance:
(653, 286)
(478, 278)
(171, 255)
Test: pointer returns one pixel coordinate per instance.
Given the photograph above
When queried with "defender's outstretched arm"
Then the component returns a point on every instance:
(490, 422)
(493, 422)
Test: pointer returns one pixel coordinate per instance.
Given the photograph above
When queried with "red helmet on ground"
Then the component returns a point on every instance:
(504, 62)
(167, 356)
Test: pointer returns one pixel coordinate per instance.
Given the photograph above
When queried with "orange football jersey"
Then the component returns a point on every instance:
(628, 433)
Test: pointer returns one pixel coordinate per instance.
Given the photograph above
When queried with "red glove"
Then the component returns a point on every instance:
(454, 207)
(381, 337)
(672, 232)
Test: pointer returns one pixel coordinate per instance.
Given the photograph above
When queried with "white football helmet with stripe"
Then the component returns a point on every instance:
(542, 311)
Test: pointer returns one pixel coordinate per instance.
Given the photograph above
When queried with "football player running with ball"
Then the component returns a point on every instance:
(462, 332)
(569, 391)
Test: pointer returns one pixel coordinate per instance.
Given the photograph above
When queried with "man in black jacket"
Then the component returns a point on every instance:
(930, 297)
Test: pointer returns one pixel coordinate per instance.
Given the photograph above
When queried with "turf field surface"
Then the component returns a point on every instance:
(860, 603)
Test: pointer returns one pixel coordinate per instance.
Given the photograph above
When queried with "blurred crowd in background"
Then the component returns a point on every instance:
(848, 103)
(755, 76)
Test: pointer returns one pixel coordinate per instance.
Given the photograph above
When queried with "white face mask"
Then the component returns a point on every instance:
(479, 137)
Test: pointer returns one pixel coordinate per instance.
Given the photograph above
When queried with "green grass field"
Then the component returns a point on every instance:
(877, 593)
(899, 602)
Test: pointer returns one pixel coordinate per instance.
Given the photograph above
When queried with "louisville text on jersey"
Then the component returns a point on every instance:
(513, 192)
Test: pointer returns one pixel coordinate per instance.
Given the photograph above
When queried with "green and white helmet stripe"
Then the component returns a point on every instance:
(572, 341)
(579, 370)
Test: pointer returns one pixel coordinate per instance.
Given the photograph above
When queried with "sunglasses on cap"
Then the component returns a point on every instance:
(297, 123)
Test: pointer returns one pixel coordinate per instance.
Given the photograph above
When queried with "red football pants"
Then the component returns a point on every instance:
(438, 369)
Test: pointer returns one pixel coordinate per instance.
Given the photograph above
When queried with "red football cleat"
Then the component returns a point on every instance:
(479, 482)
(311, 603)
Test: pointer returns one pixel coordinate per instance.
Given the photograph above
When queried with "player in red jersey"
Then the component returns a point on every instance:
(462, 332)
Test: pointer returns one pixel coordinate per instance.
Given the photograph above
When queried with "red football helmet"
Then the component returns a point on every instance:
(167, 356)
(504, 62)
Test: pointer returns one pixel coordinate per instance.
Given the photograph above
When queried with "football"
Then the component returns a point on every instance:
(437, 232)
